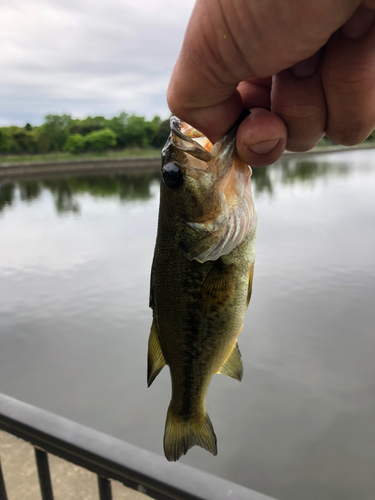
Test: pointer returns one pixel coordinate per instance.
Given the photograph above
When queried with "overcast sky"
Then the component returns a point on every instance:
(87, 57)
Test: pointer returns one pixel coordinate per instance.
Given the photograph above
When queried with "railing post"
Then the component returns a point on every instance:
(105, 489)
(45, 483)
(3, 491)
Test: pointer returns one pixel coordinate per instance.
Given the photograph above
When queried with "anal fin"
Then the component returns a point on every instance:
(155, 361)
(232, 366)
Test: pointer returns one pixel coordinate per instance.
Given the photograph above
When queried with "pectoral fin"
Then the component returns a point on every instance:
(217, 287)
(156, 361)
(232, 366)
(197, 240)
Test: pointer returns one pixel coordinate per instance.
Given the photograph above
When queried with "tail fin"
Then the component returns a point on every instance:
(181, 435)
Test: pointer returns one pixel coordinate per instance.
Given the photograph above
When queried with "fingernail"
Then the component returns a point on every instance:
(264, 147)
(359, 24)
(307, 67)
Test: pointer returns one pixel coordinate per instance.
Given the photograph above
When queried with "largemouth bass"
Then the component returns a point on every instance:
(201, 277)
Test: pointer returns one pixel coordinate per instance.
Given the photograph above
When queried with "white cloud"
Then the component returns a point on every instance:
(87, 57)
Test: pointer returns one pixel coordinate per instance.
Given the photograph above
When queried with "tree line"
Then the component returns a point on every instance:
(63, 133)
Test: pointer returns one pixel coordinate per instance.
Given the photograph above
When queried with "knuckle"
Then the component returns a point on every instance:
(310, 113)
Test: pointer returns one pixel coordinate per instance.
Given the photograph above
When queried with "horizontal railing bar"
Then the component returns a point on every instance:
(110, 457)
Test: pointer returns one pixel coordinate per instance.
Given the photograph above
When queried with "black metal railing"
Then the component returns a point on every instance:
(109, 458)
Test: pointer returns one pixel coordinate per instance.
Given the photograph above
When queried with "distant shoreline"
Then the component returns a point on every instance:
(79, 166)
(62, 168)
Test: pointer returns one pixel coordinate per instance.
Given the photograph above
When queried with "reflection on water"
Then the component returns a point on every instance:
(135, 186)
(6, 195)
(125, 187)
(75, 257)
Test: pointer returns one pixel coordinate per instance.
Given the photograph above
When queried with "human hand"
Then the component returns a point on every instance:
(302, 68)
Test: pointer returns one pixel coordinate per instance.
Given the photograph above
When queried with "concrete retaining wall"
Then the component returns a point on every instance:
(13, 171)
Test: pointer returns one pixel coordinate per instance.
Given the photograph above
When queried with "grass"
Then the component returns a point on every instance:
(50, 157)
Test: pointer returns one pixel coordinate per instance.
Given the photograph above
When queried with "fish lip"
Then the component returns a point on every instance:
(195, 149)
(175, 124)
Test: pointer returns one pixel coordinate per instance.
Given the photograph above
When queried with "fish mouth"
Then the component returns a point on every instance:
(216, 158)
(188, 140)
(220, 158)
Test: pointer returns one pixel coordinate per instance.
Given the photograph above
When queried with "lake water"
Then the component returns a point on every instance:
(75, 257)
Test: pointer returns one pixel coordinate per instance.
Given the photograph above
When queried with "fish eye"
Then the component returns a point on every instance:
(172, 175)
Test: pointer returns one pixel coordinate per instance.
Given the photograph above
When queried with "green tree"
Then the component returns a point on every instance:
(3, 141)
(118, 124)
(61, 132)
(161, 134)
(371, 137)
(75, 143)
(138, 132)
(100, 140)
(88, 125)
(43, 140)
(52, 135)
(17, 140)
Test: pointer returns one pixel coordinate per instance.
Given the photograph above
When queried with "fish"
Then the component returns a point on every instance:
(201, 277)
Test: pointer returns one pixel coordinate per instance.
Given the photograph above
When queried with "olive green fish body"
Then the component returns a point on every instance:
(199, 301)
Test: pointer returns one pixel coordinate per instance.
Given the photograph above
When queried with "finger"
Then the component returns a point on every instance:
(256, 92)
(261, 138)
(213, 121)
(228, 42)
(369, 3)
(348, 76)
(202, 90)
(298, 98)
(359, 23)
